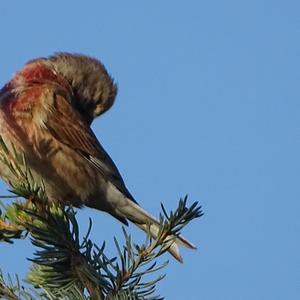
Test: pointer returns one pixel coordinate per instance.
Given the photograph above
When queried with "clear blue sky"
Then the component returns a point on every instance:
(208, 105)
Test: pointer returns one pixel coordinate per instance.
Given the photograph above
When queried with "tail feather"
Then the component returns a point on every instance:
(173, 250)
(145, 221)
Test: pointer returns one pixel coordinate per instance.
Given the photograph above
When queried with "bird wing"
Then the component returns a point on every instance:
(68, 126)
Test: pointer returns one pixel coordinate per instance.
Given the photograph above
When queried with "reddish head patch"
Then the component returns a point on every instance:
(39, 73)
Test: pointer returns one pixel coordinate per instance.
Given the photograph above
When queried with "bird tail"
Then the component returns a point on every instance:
(145, 221)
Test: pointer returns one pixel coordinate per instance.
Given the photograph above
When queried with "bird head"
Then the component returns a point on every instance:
(92, 89)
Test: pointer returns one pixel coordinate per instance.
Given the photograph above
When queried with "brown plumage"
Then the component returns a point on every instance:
(45, 112)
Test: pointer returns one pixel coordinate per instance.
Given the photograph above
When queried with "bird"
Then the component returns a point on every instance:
(46, 112)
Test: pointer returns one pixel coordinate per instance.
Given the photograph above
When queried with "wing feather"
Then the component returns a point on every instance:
(67, 126)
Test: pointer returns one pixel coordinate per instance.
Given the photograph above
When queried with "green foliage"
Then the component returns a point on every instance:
(65, 267)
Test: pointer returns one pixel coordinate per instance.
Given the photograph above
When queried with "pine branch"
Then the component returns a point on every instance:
(11, 290)
(65, 267)
(9, 230)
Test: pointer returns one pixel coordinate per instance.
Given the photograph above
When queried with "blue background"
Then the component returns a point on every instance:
(208, 105)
